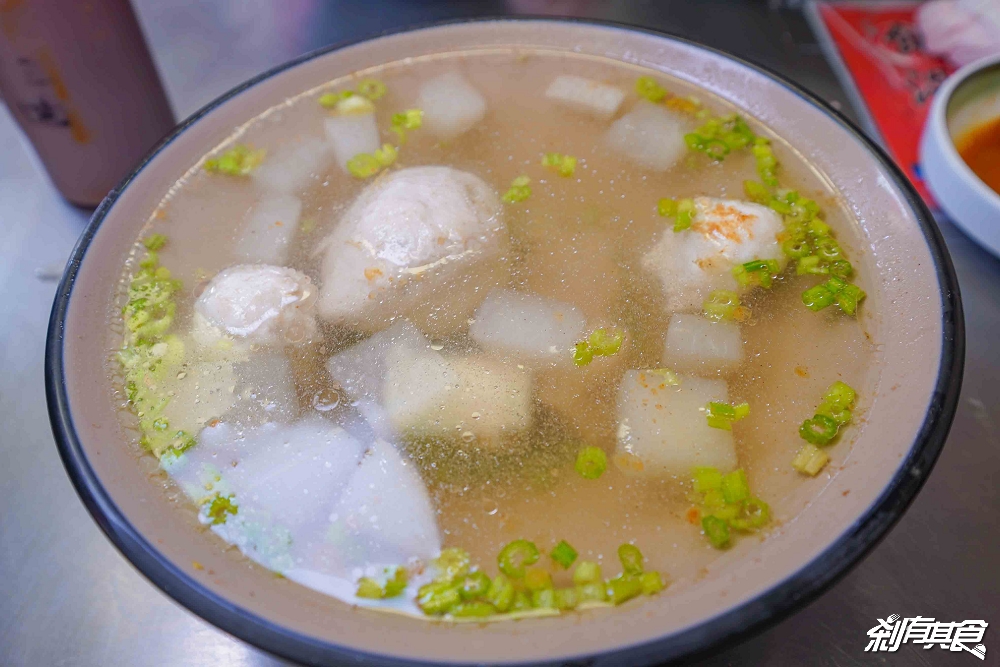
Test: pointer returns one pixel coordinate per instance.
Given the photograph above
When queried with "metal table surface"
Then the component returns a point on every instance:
(68, 598)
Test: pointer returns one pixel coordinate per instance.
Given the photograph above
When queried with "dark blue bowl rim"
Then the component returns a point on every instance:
(721, 631)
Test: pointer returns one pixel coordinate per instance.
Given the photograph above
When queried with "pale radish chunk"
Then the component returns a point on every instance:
(427, 394)
(650, 135)
(262, 304)
(585, 95)
(268, 229)
(406, 248)
(352, 134)
(697, 344)
(527, 328)
(724, 233)
(361, 369)
(451, 105)
(386, 512)
(662, 427)
(284, 481)
(293, 166)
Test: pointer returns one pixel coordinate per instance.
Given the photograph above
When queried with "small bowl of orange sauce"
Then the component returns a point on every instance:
(960, 150)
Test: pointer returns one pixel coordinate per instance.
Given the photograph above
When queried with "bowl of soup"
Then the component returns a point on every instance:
(959, 149)
(505, 341)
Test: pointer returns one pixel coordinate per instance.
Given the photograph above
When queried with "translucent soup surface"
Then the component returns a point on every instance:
(535, 307)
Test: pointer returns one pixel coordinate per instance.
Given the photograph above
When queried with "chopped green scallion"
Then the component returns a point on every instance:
(564, 554)
(220, 507)
(722, 415)
(154, 242)
(536, 579)
(586, 572)
(591, 462)
(623, 588)
(515, 556)
(820, 430)
(649, 89)
(501, 593)
(373, 89)
(474, 585)
(452, 564)
(735, 488)
(810, 460)
(519, 190)
(566, 599)
(722, 305)
(707, 479)
(564, 165)
(631, 559)
(595, 591)
(438, 597)
(544, 598)
(652, 583)
(239, 160)
(369, 588)
(363, 165)
(716, 530)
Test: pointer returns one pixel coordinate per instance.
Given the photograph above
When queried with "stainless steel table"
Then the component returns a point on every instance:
(68, 598)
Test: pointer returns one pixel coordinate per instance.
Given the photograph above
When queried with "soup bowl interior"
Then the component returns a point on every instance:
(912, 315)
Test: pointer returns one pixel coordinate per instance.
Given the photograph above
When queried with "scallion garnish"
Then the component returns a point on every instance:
(649, 89)
(631, 559)
(563, 554)
(411, 119)
(835, 290)
(716, 530)
(722, 415)
(717, 137)
(513, 558)
(564, 165)
(623, 588)
(599, 344)
(810, 460)
(591, 462)
(519, 190)
(586, 572)
(373, 89)
(727, 503)
(757, 272)
(683, 212)
(239, 160)
(723, 305)
(221, 506)
(823, 427)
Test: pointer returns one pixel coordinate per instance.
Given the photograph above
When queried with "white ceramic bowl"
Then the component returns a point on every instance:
(969, 97)
(913, 311)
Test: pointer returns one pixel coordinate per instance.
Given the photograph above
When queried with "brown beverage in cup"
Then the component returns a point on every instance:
(79, 79)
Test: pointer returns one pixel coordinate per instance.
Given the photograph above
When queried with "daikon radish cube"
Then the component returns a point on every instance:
(268, 230)
(662, 427)
(650, 136)
(451, 105)
(361, 369)
(293, 167)
(527, 328)
(385, 511)
(696, 343)
(352, 134)
(430, 395)
(281, 475)
(580, 94)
